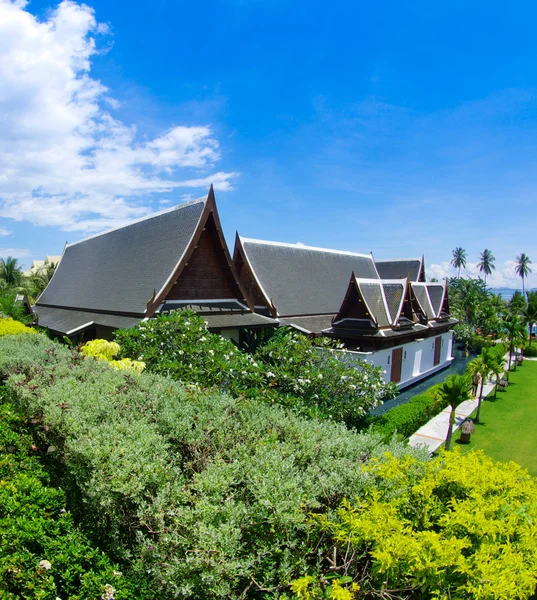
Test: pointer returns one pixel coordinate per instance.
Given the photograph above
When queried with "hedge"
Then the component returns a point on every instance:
(407, 418)
(206, 495)
(530, 351)
(42, 555)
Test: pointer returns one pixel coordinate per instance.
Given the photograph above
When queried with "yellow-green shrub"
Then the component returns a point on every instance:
(460, 526)
(11, 327)
(104, 350)
(101, 349)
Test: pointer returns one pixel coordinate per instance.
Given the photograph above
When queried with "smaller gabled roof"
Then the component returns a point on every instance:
(399, 268)
(432, 298)
(379, 301)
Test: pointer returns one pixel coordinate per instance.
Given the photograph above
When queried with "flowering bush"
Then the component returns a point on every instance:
(178, 344)
(9, 326)
(104, 350)
(290, 369)
(317, 374)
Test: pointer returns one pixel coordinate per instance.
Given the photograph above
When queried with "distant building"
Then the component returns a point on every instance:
(394, 320)
(176, 258)
(41, 265)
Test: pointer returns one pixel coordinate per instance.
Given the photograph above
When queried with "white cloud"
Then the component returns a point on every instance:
(14, 252)
(503, 276)
(65, 160)
(4, 232)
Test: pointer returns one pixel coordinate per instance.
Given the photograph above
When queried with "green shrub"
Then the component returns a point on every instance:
(456, 527)
(289, 370)
(206, 495)
(407, 418)
(42, 555)
(530, 351)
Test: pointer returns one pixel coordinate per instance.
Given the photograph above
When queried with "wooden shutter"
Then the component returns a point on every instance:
(397, 365)
(437, 350)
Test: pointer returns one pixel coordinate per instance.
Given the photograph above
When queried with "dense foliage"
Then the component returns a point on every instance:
(9, 326)
(107, 351)
(205, 495)
(406, 419)
(289, 369)
(456, 527)
(42, 555)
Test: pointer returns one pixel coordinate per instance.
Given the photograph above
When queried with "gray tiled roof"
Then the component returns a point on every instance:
(117, 271)
(420, 291)
(372, 294)
(300, 280)
(436, 294)
(313, 324)
(394, 295)
(399, 269)
(64, 321)
(222, 314)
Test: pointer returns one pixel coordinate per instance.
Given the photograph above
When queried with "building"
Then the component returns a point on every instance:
(177, 258)
(39, 266)
(395, 320)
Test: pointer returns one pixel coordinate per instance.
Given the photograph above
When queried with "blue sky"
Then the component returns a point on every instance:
(401, 128)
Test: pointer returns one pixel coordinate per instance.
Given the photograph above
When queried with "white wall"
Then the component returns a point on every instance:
(418, 358)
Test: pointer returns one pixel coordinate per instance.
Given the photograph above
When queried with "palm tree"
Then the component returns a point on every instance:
(515, 332)
(37, 282)
(530, 312)
(10, 272)
(522, 268)
(483, 366)
(459, 260)
(454, 390)
(486, 263)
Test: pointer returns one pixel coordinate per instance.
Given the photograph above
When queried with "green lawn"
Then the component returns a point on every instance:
(509, 424)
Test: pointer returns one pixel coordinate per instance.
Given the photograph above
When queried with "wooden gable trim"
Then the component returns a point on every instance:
(354, 304)
(209, 210)
(240, 256)
(421, 275)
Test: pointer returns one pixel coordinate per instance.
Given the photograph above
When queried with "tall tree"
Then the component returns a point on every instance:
(455, 390)
(523, 268)
(515, 333)
(486, 263)
(459, 260)
(483, 366)
(10, 272)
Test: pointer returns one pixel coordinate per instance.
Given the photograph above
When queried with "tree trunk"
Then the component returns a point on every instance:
(479, 400)
(450, 428)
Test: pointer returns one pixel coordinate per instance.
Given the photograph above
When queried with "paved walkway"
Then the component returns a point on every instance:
(433, 434)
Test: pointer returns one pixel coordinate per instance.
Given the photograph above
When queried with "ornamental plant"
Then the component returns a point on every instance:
(104, 350)
(318, 375)
(9, 326)
(311, 378)
(460, 526)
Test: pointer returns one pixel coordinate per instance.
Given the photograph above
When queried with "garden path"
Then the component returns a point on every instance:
(433, 434)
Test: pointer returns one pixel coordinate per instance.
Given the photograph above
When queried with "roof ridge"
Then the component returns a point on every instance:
(140, 220)
(300, 245)
(378, 260)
